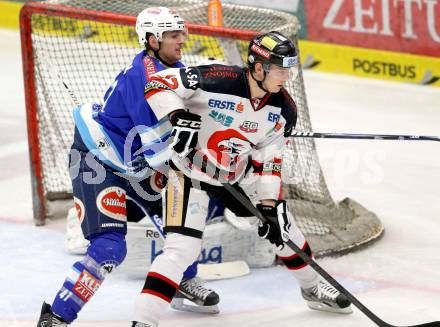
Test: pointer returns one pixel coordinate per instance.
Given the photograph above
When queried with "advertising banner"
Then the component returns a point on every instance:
(9, 14)
(363, 62)
(409, 26)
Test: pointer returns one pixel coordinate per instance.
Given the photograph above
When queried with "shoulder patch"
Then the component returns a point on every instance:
(190, 77)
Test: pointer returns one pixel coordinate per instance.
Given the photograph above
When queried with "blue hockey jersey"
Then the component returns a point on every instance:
(125, 127)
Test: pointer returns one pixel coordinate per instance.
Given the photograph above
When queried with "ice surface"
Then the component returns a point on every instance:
(397, 278)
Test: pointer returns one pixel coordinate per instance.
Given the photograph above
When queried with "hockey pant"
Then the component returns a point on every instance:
(185, 218)
(103, 200)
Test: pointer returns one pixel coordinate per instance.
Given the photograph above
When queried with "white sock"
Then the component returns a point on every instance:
(178, 253)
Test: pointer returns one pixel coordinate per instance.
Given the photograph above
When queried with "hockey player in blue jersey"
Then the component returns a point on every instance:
(112, 142)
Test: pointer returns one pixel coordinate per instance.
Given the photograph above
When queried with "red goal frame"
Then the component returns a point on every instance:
(31, 8)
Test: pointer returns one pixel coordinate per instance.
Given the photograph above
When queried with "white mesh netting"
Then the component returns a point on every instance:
(87, 52)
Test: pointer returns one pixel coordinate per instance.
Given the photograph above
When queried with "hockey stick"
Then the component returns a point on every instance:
(248, 204)
(365, 136)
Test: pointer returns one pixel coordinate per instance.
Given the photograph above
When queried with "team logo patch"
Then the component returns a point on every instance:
(154, 11)
(150, 67)
(219, 71)
(275, 129)
(160, 83)
(96, 107)
(240, 107)
(260, 51)
(272, 117)
(102, 143)
(226, 105)
(272, 167)
(227, 147)
(190, 77)
(168, 82)
(223, 119)
(80, 210)
(249, 126)
(112, 203)
(107, 267)
(86, 286)
(290, 61)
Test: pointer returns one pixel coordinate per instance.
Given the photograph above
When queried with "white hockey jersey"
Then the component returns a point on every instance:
(235, 133)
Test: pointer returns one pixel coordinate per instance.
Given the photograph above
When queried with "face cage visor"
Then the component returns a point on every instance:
(281, 73)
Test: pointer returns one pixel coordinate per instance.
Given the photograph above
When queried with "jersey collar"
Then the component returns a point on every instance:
(262, 101)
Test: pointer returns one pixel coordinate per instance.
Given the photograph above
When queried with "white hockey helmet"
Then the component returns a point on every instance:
(156, 20)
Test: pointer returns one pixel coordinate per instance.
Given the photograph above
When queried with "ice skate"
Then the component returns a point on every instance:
(48, 319)
(325, 297)
(202, 299)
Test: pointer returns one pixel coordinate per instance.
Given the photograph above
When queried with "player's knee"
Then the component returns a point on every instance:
(181, 249)
(108, 251)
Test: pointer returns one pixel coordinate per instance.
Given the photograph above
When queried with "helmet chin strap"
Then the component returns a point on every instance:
(260, 83)
(156, 54)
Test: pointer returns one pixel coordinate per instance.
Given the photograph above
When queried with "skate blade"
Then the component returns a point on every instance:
(180, 305)
(322, 307)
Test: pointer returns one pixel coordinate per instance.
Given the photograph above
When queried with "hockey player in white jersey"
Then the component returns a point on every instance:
(228, 122)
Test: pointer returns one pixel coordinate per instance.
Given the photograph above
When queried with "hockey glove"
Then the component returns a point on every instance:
(184, 135)
(277, 227)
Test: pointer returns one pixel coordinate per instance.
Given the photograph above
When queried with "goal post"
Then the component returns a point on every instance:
(59, 17)
(72, 51)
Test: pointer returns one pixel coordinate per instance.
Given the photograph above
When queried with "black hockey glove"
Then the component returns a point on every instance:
(184, 135)
(277, 227)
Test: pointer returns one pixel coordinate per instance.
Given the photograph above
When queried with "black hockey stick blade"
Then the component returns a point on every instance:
(428, 324)
(390, 137)
(378, 321)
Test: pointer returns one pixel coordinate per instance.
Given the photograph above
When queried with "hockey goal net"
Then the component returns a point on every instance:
(72, 51)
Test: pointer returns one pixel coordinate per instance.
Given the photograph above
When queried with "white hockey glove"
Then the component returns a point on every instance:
(277, 227)
(184, 135)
